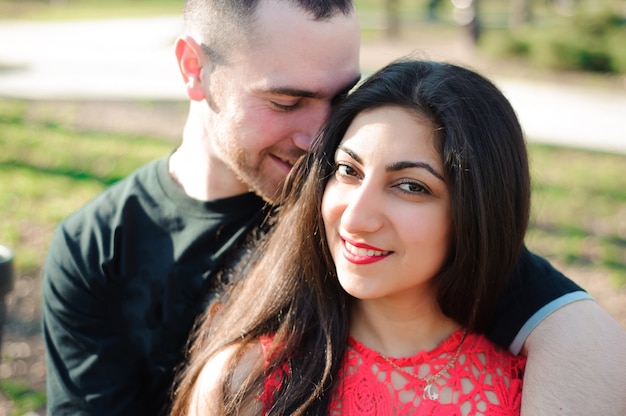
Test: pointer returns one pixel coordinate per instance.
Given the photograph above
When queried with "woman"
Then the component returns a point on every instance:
(376, 305)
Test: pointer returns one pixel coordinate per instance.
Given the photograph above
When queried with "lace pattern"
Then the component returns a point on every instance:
(485, 380)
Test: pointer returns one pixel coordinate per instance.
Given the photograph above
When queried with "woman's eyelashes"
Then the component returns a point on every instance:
(412, 187)
(345, 172)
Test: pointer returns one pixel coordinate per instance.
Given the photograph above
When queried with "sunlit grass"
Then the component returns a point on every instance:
(47, 171)
(579, 208)
(23, 398)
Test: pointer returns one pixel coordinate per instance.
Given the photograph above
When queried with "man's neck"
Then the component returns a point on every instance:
(202, 177)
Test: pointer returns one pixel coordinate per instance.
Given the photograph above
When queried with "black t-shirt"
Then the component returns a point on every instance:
(127, 275)
(535, 290)
(124, 280)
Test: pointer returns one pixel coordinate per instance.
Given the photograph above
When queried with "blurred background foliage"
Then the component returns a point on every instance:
(568, 35)
(579, 35)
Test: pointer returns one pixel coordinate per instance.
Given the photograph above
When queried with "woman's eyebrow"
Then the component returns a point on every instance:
(350, 153)
(409, 164)
(397, 166)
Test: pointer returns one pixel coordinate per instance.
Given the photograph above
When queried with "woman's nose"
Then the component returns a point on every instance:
(364, 211)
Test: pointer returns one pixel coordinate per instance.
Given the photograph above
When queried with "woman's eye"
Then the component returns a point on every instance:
(413, 188)
(344, 170)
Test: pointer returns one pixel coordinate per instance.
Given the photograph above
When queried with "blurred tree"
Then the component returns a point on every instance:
(466, 13)
(393, 18)
(519, 13)
(431, 9)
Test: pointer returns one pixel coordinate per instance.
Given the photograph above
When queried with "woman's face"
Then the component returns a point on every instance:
(387, 209)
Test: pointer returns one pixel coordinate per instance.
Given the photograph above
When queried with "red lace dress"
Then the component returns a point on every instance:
(484, 380)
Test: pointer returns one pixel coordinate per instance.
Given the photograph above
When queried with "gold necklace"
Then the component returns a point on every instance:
(428, 392)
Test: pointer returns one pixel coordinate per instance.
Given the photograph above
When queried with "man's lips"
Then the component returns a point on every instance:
(285, 163)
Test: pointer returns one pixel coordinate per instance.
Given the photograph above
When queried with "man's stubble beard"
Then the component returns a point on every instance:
(252, 175)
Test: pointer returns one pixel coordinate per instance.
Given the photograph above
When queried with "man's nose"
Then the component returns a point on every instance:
(303, 140)
(311, 124)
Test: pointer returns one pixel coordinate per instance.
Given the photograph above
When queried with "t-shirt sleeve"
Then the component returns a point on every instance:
(83, 353)
(535, 290)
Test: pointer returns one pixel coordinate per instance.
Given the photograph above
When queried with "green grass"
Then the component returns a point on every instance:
(48, 170)
(579, 208)
(24, 399)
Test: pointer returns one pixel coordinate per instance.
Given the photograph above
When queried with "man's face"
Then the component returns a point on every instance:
(272, 98)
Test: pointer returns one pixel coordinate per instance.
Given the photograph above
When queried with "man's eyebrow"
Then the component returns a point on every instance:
(293, 92)
(297, 92)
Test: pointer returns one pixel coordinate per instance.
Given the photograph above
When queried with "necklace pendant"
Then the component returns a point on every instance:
(429, 393)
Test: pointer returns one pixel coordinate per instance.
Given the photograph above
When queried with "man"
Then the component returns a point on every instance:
(128, 273)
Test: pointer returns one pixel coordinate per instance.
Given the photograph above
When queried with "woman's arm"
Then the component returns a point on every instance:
(576, 364)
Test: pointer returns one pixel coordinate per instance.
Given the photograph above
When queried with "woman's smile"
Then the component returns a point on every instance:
(359, 253)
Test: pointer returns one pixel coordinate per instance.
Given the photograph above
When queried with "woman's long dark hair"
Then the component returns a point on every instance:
(292, 290)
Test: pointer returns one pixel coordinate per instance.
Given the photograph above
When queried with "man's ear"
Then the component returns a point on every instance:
(190, 62)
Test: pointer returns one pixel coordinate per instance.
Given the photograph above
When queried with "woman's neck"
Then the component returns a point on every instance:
(400, 331)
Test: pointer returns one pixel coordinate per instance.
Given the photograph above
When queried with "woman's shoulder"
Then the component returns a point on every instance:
(479, 356)
(208, 391)
(242, 361)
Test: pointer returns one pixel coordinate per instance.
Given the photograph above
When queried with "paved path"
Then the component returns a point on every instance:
(133, 58)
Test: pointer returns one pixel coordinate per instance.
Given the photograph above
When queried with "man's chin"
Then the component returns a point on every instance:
(271, 194)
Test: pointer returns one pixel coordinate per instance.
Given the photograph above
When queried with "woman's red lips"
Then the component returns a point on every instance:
(361, 253)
